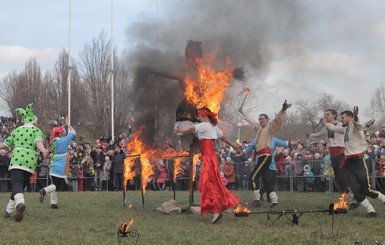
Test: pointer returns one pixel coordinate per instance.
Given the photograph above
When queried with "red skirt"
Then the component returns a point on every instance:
(215, 197)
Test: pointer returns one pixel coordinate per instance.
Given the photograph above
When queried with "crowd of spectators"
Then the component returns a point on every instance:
(304, 166)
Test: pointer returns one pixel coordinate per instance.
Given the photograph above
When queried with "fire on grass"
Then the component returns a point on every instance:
(242, 210)
(126, 229)
(341, 207)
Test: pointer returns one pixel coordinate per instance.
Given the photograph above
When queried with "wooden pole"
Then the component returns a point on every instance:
(191, 189)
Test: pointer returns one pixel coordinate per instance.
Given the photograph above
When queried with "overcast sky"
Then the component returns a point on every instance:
(296, 49)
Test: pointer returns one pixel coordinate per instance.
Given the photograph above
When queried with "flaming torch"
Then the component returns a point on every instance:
(247, 92)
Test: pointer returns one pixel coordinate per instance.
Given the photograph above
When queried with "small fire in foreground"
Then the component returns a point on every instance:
(125, 227)
(242, 210)
(341, 206)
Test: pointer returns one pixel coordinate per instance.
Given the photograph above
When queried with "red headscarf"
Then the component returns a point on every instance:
(56, 132)
(206, 112)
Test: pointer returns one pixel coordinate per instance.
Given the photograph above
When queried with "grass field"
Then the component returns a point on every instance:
(94, 218)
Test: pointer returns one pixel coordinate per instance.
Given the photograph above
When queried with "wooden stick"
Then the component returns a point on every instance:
(243, 102)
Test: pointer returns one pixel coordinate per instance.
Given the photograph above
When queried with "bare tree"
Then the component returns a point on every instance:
(294, 128)
(377, 103)
(95, 69)
(8, 90)
(59, 90)
(123, 109)
(310, 112)
(19, 89)
(327, 101)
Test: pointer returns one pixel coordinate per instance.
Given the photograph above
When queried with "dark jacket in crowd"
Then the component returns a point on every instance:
(118, 163)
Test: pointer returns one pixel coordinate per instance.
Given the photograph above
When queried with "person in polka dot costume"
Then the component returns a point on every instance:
(25, 141)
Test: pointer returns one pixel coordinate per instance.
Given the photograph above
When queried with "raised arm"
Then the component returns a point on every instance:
(279, 118)
(67, 123)
(248, 119)
(356, 121)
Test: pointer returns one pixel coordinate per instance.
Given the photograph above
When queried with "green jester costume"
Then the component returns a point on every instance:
(25, 141)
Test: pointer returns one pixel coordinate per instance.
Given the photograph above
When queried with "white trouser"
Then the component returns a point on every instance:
(273, 197)
(257, 195)
(51, 190)
(366, 204)
(381, 197)
(19, 198)
(11, 206)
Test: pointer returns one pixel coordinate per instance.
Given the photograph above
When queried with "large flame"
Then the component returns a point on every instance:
(147, 171)
(138, 150)
(342, 203)
(171, 153)
(135, 147)
(177, 167)
(207, 87)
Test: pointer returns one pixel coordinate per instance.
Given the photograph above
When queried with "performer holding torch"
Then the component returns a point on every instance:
(215, 197)
(265, 133)
(269, 177)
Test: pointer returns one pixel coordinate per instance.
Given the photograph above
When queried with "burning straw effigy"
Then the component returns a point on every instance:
(203, 86)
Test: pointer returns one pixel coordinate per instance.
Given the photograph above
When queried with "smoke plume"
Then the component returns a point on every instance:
(227, 28)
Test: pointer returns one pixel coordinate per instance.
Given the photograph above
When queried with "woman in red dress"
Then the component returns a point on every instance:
(215, 197)
(161, 180)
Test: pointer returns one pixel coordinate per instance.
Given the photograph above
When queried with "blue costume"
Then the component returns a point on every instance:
(59, 167)
(58, 160)
(274, 143)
